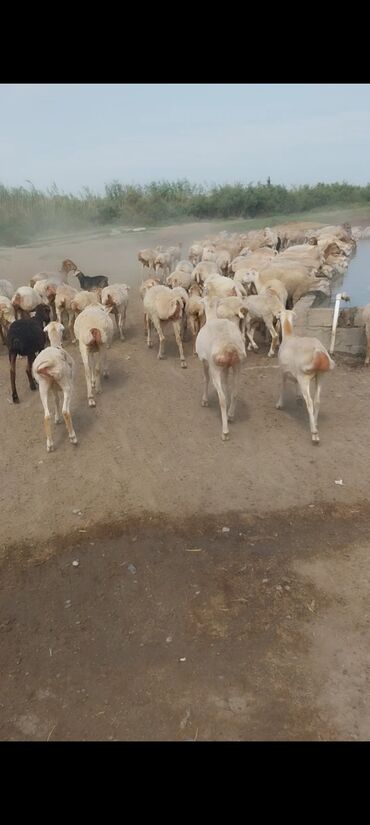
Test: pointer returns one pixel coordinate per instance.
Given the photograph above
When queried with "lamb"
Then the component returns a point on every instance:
(203, 270)
(161, 305)
(274, 284)
(303, 360)
(218, 286)
(223, 260)
(63, 297)
(6, 289)
(53, 370)
(91, 283)
(145, 285)
(234, 309)
(147, 257)
(180, 278)
(56, 277)
(366, 321)
(25, 301)
(209, 253)
(220, 347)
(183, 266)
(82, 300)
(163, 261)
(181, 293)
(26, 337)
(94, 331)
(46, 289)
(175, 253)
(195, 311)
(116, 298)
(7, 316)
(265, 306)
(195, 253)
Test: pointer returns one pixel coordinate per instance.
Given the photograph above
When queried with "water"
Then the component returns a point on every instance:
(356, 281)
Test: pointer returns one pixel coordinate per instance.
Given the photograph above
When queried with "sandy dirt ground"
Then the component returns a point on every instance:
(269, 617)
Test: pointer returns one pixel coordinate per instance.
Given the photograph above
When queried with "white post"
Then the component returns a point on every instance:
(341, 296)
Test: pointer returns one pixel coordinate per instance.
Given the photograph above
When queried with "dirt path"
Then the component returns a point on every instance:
(261, 632)
(261, 662)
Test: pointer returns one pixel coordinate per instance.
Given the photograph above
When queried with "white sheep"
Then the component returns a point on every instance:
(195, 311)
(25, 300)
(162, 305)
(163, 262)
(63, 297)
(115, 297)
(265, 306)
(94, 331)
(56, 277)
(303, 360)
(175, 254)
(147, 257)
(220, 347)
(7, 316)
(83, 299)
(233, 309)
(203, 270)
(53, 370)
(145, 285)
(180, 278)
(6, 288)
(195, 253)
(218, 286)
(184, 266)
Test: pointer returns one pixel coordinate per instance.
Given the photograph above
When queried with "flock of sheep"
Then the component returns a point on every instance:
(228, 286)
(88, 314)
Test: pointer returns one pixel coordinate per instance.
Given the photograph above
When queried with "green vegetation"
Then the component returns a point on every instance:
(28, 213)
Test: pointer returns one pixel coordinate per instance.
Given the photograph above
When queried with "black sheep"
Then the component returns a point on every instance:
(26, 337)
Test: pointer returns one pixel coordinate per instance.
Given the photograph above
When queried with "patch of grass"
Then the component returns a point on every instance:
(29, 213)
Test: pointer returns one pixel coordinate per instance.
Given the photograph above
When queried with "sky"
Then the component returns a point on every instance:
(80, 135)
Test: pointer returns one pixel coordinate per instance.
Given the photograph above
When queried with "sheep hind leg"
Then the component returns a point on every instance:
(57, 399)
(234, 392)
(206, 384)
(316, 400)
(274, 339)
(97, 370)
(222, 400)
(250, 335)
(304, 384)
(148, 321)
(86, 362)
(177, 331)
(44, 393)
(104, 360)
(121, 324)
(71, 323)
(67, 417)
(280, 403)
(13, 359)
(158, 327)
(32, 382)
